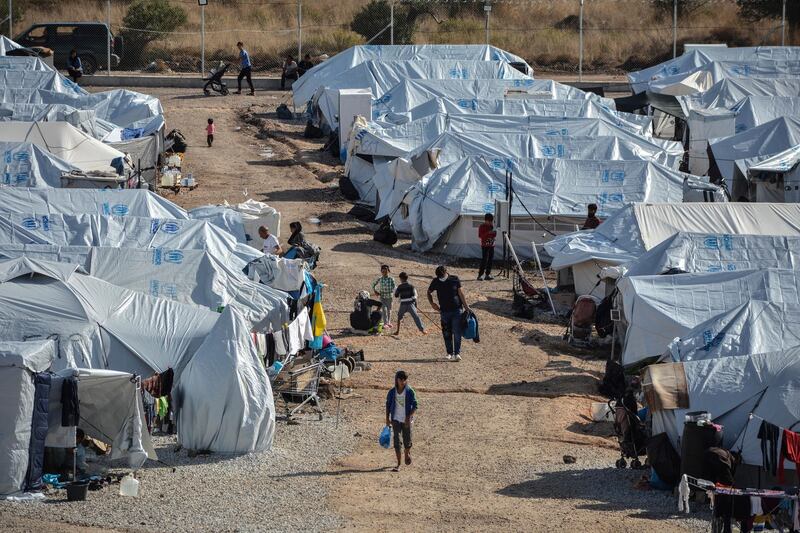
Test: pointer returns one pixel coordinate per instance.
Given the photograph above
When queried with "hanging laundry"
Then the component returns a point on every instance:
(790, 449)
(318, 319)
(162, 406)
(70, 406)
(770, 436)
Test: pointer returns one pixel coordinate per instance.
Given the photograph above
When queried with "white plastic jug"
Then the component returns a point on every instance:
(601, 412)
(129, 486)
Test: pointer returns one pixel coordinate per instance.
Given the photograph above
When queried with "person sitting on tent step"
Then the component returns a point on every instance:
(363, 317)
(591, 217)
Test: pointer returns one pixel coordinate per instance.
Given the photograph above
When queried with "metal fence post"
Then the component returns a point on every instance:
(10, 19)
(487, 8)
(783, 25)
(674, 29)
(108, 44)
(391, 22)
(202, 39)
(299, 29)
(580, 43)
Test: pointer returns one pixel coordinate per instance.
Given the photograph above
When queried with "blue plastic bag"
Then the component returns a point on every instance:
(385, 438)
(470, 327)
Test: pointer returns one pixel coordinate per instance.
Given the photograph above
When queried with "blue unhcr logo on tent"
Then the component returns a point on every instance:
(170, 227)
(157, 256)
(711, 242)
(174, 257)
(30, 223)
(613, 175)
(710, 340)
(119, 210)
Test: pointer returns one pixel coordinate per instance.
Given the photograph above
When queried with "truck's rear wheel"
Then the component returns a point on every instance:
(89, 64)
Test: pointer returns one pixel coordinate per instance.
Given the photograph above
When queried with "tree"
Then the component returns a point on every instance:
(686, 8)
(372, 22)
(760, 9)
(146, 21)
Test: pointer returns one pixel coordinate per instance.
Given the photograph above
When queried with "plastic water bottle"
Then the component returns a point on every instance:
(129, 486)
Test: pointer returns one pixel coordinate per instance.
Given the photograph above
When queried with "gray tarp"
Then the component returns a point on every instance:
(26, 165)
(121, 203)
(730, 91)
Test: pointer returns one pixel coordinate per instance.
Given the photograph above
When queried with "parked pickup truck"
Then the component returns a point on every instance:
(90, 39)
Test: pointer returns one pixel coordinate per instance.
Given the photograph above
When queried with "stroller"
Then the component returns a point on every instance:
(214, 80)
(631, 434)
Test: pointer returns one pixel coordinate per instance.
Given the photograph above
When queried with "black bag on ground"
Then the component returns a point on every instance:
(522, 308)
(385, 233)
(347, 188)
(664, 459)
(312, 132)
(363, 213)
(284, 112)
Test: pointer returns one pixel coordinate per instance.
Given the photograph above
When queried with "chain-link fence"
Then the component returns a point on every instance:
(584, 36)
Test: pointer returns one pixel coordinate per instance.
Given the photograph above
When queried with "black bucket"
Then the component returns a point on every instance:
(76, 492)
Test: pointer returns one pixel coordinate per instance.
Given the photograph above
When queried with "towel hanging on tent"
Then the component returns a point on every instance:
(318, 321)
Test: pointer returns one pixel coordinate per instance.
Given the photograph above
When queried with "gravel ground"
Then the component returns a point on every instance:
(279, 490)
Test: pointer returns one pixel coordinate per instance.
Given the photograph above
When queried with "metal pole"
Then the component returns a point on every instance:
(10, 19)
(108, 44)
(674, 29)
(580, 43)
(487, 8)
(783, 25)
(391, 22)
(299, 30)
(202, 39)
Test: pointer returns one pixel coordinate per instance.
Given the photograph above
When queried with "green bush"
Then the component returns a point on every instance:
(375, 16)
(147, 21)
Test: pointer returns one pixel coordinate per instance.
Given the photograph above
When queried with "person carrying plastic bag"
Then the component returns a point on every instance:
(401, 406)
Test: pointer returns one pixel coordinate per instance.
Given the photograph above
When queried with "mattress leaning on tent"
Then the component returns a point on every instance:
(102, 326)
(637, 228)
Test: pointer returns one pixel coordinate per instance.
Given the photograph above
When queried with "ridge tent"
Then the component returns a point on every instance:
(702, 78)
(124, 232)
(26, 165)
(709, 252)
(380, 76)
(776, 178)
(732, 389)
(64, 141)
(6, 45)
(753, 111)
(121, 203)
(33, 64)
(631, 231)
(304, 88)
(32, 80)
(753, 327)
(185, 276)
(657, 309)
(446, 207)
(730, 91)
(102, 326)
(85, 121)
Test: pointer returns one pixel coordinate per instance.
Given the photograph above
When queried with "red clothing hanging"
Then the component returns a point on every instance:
(790, 450)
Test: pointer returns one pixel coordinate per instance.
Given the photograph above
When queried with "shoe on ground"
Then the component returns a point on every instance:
(480, 278)
(252, 93)
(238, 92)
(456, 358)
(449, 357)
(489, 278)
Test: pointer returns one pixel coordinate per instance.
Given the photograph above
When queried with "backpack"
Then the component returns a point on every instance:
(385, 233)
(284, 112)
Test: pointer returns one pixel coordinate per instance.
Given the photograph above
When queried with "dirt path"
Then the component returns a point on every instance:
(492, 430)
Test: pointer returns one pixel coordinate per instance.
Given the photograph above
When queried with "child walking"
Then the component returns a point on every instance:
(401, 405)
(383, 287)
(407, 294)
(211, 129)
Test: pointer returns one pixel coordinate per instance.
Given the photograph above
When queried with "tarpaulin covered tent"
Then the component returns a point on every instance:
(756, 110)
(380, 185)
(632, 231)
(657, 309)
(33, 64)
(186, 276)
(124, 232)
(32, 80)
(740, 392)
(7, 45)
(380, 76)
(753, 327)
(730, 91)
(64, 141)
(776, 179)
(120, 203)
(445, 208)
(26, 165)
(733, 155)
(709, 252)
(688, 62)
(705, 76)
(84, 120)
(308, 84)
(102, 326)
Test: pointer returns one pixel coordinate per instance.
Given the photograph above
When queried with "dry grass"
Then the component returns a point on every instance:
(619, 34)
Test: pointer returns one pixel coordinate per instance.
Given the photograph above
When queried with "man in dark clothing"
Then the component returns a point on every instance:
(487, 235)
(74, 66)
(451, 304)
(305, 65)
(407, 294)
(246, 69)
(363, 317)
(591, 218)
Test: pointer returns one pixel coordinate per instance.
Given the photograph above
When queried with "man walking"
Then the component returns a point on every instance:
(401, 405)
(451, 304)
(245, 69)
(487, 235)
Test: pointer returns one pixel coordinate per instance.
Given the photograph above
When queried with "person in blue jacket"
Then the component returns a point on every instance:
(401, 405)
(74, 66)
(245, 69)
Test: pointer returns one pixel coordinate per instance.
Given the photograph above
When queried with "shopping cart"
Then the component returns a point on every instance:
(299, 388)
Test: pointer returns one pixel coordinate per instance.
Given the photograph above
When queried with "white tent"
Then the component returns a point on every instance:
(730, 91)
(704, 77)
(121, 203)
(33, 64)
(102, 326)
(6, 45)
(640, 227)
(26, 165)
(753, 111)
(709, 252)
(64, 141)
(657, 309)
(776, 179)
(446, 207)
(33, 80)
(308, 84)
(380, 76)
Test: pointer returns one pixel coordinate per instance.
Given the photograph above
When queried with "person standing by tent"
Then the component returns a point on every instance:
(487, 235)
(74, 65)
(305, 65)
(271, 244)
(383, 287)
(451, 304)
(401, 406)
(289, 71)
(245, 69)
(591, 217)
